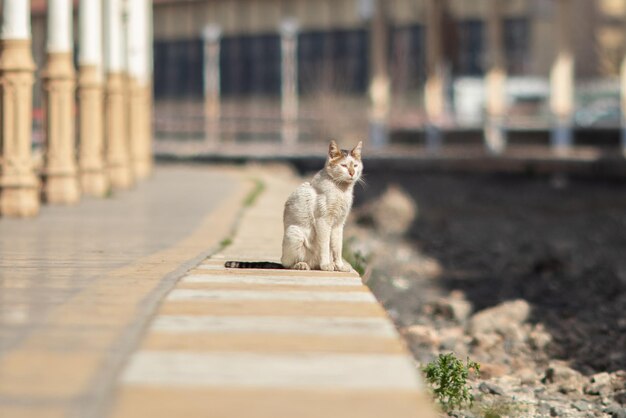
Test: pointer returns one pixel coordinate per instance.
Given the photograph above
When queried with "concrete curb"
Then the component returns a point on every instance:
(269, 343)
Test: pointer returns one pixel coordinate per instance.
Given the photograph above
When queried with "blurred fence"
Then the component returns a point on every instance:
(344, 89)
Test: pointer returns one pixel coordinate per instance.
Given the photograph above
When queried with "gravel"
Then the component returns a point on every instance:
(526, 278)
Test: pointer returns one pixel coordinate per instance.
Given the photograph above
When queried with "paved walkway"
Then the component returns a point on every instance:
(77, 284)
(269, 343)
(115, 309)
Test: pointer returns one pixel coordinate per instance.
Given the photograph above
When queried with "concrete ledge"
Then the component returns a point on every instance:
(230, 343)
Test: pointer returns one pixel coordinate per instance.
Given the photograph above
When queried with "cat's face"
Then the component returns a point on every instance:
(344, 166)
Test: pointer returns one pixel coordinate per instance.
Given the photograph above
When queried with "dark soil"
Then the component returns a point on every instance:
(558, 244)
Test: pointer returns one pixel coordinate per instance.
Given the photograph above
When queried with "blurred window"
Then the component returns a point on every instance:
(470, 48)
(407, 59)
(250, 65)
(178, 68)
(333, 61)
(516, 41)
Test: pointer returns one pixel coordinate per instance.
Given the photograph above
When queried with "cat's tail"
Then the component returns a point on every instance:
(253, 265)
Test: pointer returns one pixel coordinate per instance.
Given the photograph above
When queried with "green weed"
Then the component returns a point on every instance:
(447, 377)
(225, 243)
(355, 257)
(254, 194)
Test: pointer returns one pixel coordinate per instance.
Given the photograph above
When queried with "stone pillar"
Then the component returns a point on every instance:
(495, 80)
(116, 121)
(60, 172)
(19, 187)
(289, 81)
(623, 96)
(562, 80)
(434, 93)
(93, 179)
(212, 112)
(147, 84)
(380, 86)
(137, 58)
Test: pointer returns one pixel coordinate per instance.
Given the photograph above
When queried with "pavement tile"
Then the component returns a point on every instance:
(272, 308)
(271, 287)
(296, 325)
(33, 411)
(44, 373)
(271, 343)
(336, 371)
(86, 280)
(158, 402)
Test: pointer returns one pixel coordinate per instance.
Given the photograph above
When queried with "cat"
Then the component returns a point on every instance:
(315, 215)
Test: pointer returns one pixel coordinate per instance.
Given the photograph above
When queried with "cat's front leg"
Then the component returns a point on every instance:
(336, 249)
(323, 232)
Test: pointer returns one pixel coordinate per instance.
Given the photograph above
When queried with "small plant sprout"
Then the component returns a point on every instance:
(254, 194)
(447, 377)
(225, 243)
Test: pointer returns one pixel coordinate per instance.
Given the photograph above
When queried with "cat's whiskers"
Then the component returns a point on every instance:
(361, 180)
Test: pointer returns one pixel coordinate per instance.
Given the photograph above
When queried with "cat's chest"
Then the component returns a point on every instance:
(335, 207)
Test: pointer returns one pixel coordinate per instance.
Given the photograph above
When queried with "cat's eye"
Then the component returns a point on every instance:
(356, 165)
(344, 165)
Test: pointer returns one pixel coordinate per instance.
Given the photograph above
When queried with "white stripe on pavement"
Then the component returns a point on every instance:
(271, 280)
(303, 370)
(292, 295)
(374, 327)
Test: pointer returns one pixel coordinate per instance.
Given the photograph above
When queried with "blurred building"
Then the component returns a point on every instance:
(334, 42)
(335, 62)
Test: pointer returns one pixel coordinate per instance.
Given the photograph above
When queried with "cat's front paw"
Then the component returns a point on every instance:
(345, 268)
(301, 266)
(327, 267)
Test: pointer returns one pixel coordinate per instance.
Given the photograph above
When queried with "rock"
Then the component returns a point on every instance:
(453, 339)
(558, 371)
(618, 380)
(527, 375)
(500, 318)
(600, 384)
(581, 406)
(538, 338)
(566, 410)
(393, 213)
(454, 307)
(615, 411)
(422, 334)
(567, 379)
(485, 341)
(461, 308)
(400, 283)
(543, 409)
(430, 267)
(620, 397)
(490, 370)
(488, 387)
(514, 335)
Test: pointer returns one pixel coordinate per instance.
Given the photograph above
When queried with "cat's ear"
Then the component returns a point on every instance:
(356, 151)
(333, 150)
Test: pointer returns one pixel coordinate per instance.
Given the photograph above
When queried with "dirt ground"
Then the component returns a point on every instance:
(559, 244)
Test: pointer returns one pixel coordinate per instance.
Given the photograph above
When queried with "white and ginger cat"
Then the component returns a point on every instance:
(316, 212)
